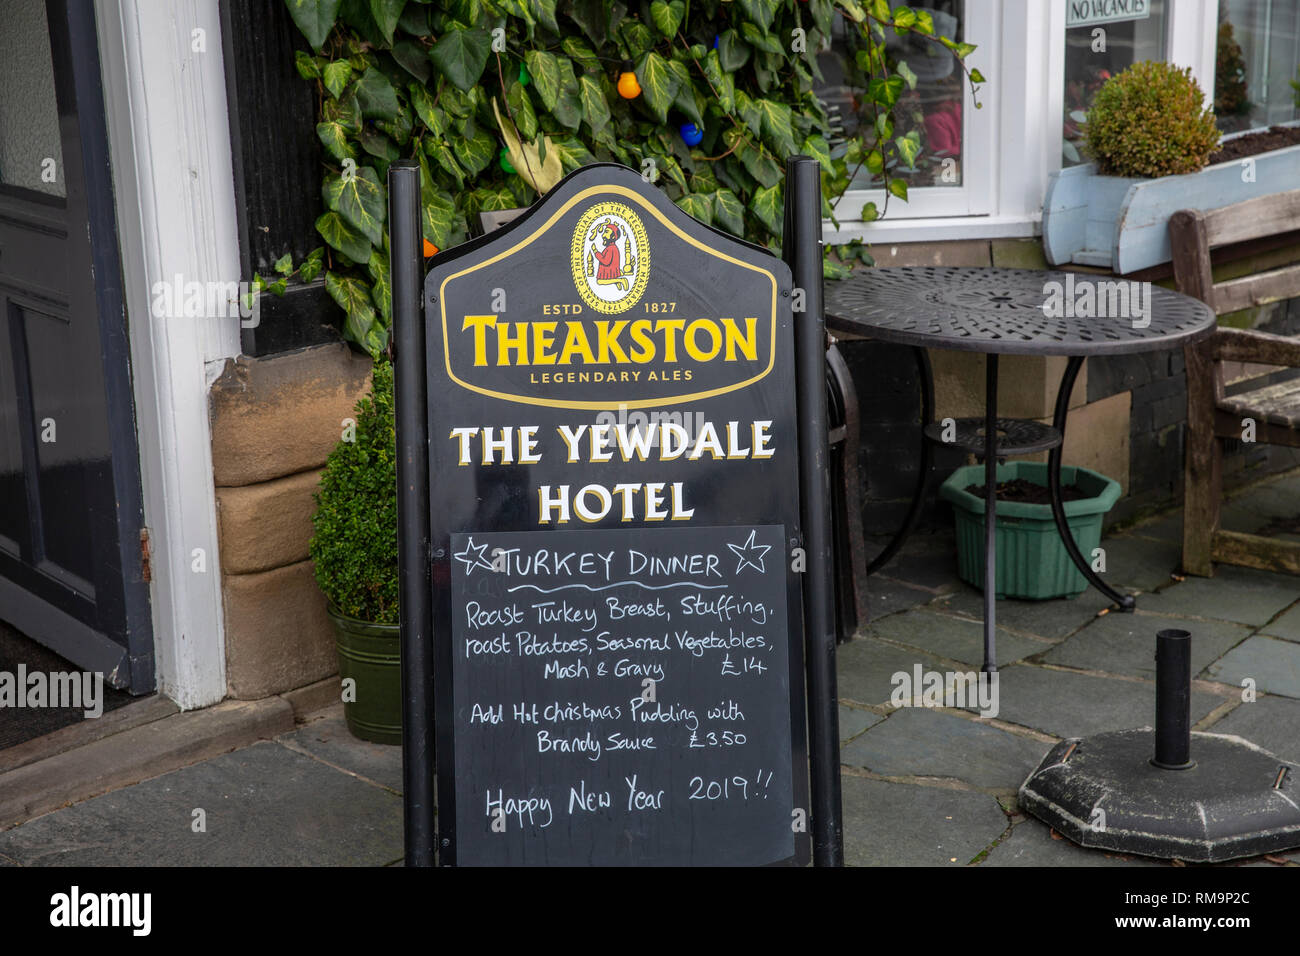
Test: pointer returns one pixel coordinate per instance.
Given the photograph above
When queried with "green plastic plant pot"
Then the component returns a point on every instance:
(370, 654)
(1032, 561)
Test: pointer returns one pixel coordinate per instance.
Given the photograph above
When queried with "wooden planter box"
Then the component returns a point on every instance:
(1122, 224)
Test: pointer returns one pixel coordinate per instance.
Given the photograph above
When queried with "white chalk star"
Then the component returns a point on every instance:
(751, 554)
(474, 556)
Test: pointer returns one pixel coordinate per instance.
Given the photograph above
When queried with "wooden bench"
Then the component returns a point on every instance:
(1212, 415)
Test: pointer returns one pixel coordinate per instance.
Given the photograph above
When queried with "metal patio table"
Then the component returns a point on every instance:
(997, 312)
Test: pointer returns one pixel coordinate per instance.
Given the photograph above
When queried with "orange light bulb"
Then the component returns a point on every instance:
(628, 87)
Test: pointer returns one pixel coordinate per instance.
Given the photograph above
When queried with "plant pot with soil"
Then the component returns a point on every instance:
(1155, 150)
(354, 550)
(1032, 561)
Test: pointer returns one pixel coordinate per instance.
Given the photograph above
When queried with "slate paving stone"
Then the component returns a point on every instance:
(854, 720)
(1243, 595)
(1269, 722)
(1166, 527)
(1052, 619)
(1142, 564)
(928, 743)
(1067, 704)
(329, 739)
(886, 596)
(1126, 643)
(1287, 626)
(955, 638)
(865, 668)
(898, 824)
(1031, 844)
(265, 806)
(1273, 664)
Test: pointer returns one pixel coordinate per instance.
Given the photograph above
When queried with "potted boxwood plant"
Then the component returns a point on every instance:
(1150, 138)
(1031, 560)
(354, 549)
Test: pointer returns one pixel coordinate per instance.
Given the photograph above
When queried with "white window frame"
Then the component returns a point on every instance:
(1013, 144)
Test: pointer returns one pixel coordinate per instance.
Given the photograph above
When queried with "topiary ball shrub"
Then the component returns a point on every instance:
(355, 542)
(1150, 121)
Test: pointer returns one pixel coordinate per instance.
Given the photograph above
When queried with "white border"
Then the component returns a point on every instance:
(174, 189)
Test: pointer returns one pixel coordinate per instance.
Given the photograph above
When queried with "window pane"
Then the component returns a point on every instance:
(1102, 39)
(31, 154)
(932, 108)
(1256, 65)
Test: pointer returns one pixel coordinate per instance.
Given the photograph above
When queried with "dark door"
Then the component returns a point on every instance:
(71, 566)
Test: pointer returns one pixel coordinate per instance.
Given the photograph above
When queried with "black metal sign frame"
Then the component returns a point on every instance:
(452, 357)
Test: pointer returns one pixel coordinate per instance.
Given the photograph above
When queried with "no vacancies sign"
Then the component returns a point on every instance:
(614, 529)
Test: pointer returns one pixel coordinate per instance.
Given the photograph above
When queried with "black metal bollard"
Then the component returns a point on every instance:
(1173, 700)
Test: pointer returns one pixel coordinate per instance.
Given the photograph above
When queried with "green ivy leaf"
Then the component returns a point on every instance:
(875, 162)
(375, 96)
(461, 54)
(749, 112)
(593, 17)
(544, 13)
(760, 40)
(659, 84)
(521, 110)
(816, 147)
(545, 71)
(315, 18)
(413, 58)
(386, 13)
(732, 51)
(906, 73)
(360, 200)
(766, 205)
(434, 119)
(698, 205)
(284, 265)
(594, 107)
(667, 17)
(760, 12)
(335, 139)
(437, 216)
(381, 290)
(490, 199)
(572, 153)
(440, 150)
(636, 38)
(353, 297)
(909, 147)
(885, 91)
(568, 106)
(721, 80)
(378, 145)
(305, 65)
(777, 130)
(870, 213)
(335, 230)
(335, 76)
(898, 188)
(833, 270)
(729, 212)
(309, 270)
(578, 50)
(476, 152)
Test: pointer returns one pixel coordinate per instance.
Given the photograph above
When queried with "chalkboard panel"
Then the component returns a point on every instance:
(608, 376)
(624, 695)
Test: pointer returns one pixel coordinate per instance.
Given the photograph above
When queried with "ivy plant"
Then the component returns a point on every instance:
(497, 99)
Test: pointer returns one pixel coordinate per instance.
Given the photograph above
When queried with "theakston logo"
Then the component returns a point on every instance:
(610, 258)
(648, 312)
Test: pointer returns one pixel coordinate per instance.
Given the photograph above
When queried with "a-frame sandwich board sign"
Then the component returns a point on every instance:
(614, 539)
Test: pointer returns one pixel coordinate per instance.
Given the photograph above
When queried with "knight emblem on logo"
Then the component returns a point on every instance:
(610, 258)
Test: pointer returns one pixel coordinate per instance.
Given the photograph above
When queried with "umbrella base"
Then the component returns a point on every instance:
(1103, 792)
